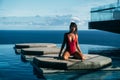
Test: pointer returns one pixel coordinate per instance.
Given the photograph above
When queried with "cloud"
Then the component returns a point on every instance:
(78, 20)
(36, 21)
(75, 19)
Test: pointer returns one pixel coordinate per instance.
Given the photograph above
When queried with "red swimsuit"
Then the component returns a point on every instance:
(72, 45)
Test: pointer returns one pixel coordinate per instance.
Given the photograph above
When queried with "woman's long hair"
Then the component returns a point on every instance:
(72, 24)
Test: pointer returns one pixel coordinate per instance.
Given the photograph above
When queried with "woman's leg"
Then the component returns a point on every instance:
(66, 55)
(79, 55)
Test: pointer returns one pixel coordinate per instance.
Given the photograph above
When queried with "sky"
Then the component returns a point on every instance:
(76, 8)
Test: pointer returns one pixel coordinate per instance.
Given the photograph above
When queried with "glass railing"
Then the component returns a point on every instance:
(106, 7)
(106, 12)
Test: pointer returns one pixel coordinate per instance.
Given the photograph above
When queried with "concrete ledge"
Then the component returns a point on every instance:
(40, 51)
(49, 71)
(92, 62)
(27, 58)
(29, 45)
(46, 70)
(18, 47)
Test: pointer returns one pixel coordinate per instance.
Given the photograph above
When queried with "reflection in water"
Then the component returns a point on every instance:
(79, 75)
(100, 75)
(112, 52)
(23, 59)
(39, 74)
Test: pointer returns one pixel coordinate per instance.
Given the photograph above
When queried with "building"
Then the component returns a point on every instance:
(106, 17)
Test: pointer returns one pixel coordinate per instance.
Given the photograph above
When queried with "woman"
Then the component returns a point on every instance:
(71, 42)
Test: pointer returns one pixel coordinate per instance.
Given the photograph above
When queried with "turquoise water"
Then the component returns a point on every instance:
(11, 66)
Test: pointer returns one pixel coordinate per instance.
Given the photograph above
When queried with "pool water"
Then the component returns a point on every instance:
(13, 68)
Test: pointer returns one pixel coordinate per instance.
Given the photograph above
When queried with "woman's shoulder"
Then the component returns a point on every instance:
(66, 34)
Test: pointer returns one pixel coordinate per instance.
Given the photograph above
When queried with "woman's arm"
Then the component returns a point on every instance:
(63, 45)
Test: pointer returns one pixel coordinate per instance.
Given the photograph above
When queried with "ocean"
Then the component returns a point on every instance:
(91, 42)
